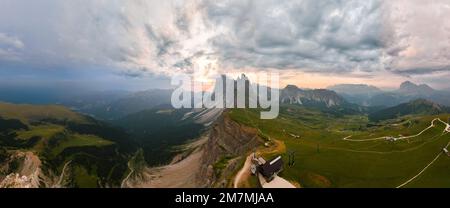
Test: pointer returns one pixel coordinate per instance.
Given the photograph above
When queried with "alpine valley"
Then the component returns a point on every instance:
(344, 136)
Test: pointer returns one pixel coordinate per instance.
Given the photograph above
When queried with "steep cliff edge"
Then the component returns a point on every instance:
(211, 161)
(24, 170)
(228, 144)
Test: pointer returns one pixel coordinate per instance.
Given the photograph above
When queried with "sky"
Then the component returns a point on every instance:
(140, 44)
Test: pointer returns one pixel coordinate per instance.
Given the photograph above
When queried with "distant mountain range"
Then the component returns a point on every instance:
(356, 89)
(356, 93)
(325, 100)
(319, 97)
(371, 96)
(114, 105)
(144, 130)
(409, 88)
(338, 99)
(104, 105)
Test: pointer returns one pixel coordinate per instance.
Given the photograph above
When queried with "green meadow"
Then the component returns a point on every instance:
(323, 158)
(60, 136)
(78, 140)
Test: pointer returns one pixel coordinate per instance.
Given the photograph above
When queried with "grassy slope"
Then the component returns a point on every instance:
(84, 179)
(45, 132)
(25, 113)
(62, 138)
(78, 140)
(324, 159)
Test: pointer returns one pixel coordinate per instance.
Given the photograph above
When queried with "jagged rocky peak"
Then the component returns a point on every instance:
(318, 97)
(291, 87)
(407, 84)
(410, 87)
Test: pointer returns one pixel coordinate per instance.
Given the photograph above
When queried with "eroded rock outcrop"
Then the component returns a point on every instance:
(211, 161)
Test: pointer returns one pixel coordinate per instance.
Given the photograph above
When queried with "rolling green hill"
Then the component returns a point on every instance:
(415, 107)
(67, 147)
(29, 113)
(350, 151)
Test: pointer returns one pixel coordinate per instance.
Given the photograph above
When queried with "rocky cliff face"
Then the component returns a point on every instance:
(318, 97)
(23, 170)
(228, 142)
(211, 161)
(409, 88)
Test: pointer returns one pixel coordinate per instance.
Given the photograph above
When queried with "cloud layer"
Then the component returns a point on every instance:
(355, 38)
(419, 36)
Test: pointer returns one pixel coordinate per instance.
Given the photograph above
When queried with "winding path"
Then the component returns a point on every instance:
(399, 138)
(424, 169)
(446, 130)
(447, 126)
(61, 177)
(122, 185)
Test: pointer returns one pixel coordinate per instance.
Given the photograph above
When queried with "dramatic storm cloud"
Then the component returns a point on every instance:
(368, 40)
(318, 36)
(420, 36)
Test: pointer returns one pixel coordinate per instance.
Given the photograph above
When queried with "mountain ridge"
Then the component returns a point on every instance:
(406, 92)
(39, 140)
(414, 107)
